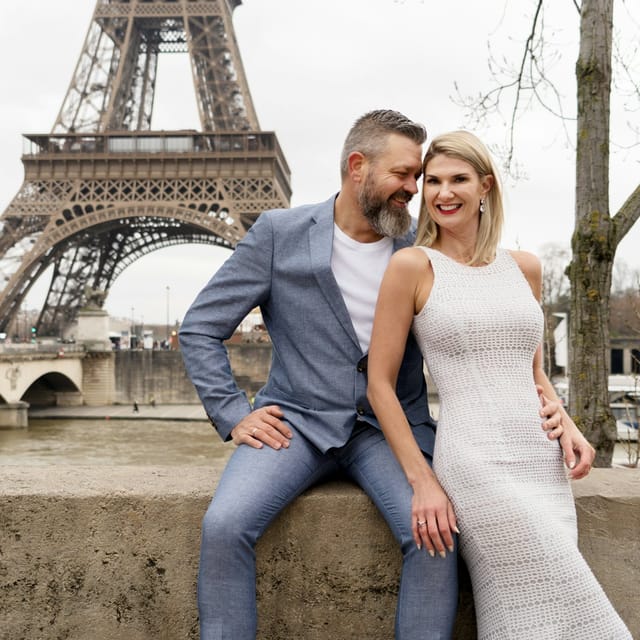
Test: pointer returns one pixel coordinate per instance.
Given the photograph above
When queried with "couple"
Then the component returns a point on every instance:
(315, 272)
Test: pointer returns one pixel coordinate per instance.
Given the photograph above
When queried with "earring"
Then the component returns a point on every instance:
(481, 205)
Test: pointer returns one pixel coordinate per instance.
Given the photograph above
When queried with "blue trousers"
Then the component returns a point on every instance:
(258, 483)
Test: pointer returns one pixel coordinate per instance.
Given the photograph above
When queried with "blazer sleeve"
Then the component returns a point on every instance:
(242, 283)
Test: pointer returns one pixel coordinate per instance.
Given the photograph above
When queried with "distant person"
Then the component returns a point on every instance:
(136, 409)
(152, 402)
(474, 310)
(314, 271)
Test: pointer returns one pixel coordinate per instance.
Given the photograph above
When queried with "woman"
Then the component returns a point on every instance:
(474, 309)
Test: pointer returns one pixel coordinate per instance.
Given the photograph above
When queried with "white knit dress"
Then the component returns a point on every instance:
(478, 333)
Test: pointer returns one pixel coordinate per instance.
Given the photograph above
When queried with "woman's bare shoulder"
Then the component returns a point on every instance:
(531, 267)
(528, 262)
(410, 258)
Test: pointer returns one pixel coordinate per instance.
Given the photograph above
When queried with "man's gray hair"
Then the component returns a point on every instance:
(368, 135)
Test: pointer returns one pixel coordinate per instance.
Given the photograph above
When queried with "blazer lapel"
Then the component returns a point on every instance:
(320, 247)
(406, 240)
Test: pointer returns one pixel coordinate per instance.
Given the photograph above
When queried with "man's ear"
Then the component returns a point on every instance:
(356, 163)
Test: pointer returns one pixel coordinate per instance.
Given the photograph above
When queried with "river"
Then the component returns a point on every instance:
(135, 441)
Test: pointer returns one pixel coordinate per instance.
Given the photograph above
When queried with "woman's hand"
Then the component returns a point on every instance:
(433, 518)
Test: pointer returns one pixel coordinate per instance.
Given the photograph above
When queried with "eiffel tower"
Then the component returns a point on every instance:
(103, 189)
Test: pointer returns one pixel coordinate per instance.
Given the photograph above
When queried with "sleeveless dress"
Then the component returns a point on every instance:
(478, 333)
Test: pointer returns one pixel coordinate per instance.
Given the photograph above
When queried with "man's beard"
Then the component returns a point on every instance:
(385, 218)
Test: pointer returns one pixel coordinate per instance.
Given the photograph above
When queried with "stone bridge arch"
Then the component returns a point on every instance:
(42, 379)
(38, 378)
(52, 389)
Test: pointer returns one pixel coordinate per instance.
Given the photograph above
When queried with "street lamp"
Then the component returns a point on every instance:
(167, 342)
(131, 341)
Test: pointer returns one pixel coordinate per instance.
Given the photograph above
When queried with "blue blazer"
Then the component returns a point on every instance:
(318, 370)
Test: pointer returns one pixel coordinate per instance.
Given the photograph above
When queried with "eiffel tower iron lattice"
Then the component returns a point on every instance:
(103, 189)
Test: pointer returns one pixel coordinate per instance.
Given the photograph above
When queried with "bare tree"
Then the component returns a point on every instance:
(597, 232)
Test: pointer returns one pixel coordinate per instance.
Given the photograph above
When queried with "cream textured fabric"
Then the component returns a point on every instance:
(478, 333)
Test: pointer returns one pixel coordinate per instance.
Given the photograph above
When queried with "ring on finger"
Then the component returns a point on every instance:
(253, 432)
(421, 523)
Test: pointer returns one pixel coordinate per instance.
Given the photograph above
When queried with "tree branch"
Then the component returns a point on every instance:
(529, 77)
(627, 215)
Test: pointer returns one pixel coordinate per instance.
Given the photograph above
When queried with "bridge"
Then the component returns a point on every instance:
(64, 375)
(40, 374)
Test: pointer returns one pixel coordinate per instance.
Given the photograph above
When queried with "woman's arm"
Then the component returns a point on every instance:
(394, 314)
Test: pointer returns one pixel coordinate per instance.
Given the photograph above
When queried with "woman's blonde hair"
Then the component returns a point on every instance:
(465, 146)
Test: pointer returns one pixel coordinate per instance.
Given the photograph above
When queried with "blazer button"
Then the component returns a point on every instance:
(360, 368)
(360, 410)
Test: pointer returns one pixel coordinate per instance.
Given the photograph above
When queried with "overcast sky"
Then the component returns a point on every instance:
(313, 67)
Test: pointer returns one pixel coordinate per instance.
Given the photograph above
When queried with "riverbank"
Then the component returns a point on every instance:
(179, 412)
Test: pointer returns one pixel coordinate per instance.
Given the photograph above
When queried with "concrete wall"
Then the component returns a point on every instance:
(111, 552)
(141, 374)
(98, 382)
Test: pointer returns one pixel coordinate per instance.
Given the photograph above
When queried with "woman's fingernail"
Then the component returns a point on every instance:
(443, 554)
(432, 553)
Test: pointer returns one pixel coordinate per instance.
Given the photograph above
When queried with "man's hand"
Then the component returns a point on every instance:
(550, 412)
(578, 453)
(262, 426)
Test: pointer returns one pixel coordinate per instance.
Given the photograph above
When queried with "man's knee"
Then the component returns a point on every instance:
(225, 527)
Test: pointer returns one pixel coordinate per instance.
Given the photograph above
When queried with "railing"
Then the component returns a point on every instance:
(26, 348)
(174, 142)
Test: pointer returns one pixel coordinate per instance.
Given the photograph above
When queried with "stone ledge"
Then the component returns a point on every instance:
(111, 552)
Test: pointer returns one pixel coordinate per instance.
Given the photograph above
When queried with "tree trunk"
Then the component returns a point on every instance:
(594, 239)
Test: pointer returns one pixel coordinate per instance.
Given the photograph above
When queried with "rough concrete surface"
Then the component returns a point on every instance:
(100, 553)
(106, 553)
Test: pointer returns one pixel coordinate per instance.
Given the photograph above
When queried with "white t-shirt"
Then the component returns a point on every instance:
(358, 268)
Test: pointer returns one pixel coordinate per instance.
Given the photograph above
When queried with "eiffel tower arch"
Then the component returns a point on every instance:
(102, 189)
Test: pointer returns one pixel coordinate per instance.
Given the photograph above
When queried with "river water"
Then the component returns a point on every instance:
(138, 442)
(123, 442)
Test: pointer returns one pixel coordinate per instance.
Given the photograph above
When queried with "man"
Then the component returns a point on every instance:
(314, 271)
